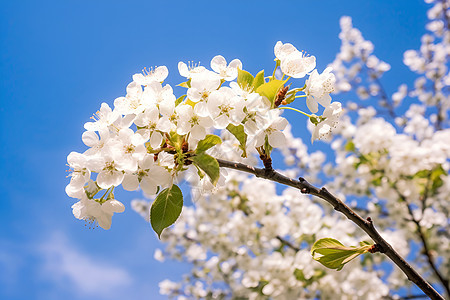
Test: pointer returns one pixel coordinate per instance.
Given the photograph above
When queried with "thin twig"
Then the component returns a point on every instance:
(287, 243)
(426, 248)
(366, 225)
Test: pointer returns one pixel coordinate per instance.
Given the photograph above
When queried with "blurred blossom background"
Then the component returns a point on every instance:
(61, 59)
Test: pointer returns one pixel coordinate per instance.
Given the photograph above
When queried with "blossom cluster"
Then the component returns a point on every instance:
(150, 137)
(395, 167)
(248, 241)
(390, 162)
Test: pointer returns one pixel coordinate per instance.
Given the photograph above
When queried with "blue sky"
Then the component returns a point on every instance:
(61, 59)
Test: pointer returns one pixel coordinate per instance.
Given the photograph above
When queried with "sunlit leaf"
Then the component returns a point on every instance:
(333, 254)
(239, 133)
(209, 141)
(244, 79)
(208, 164)
(166, 209)
(259, 80)
(270, 89)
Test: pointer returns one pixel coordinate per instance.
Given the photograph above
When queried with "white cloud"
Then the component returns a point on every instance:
(86, 275)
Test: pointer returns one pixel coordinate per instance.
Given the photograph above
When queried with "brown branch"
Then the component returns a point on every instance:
(366, 225)
(426, 248)
(287, 243)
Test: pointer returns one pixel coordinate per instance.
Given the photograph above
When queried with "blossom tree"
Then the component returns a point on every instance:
(254, 232)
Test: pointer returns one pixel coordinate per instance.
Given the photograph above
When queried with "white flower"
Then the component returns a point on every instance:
(228, 73)
(151, 126)
(272, 130)
(133, 102)
(202, 85)
(190, 70)
(297, 64)
(331, 114)
(147, 76)
(121, 123)
(293, 62)
(91, 139)
(162, 97)
(103, 118)
(254, 112)
(375, 136)
(318, 89)
(221, 105)
(190, 121)
(91, 211)
(127, 150)
(149, 176)
(109, 173)
(283, 50)
(79, 176)
(166, 287)
(398, 96)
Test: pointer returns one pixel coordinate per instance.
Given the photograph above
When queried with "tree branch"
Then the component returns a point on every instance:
(426, 248)
(287, 243)
(366, 225)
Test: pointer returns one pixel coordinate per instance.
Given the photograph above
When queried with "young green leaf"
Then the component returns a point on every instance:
(208, 164)
(244, 79)
(270, 89)
(186, 84)
(179, 100)
(350, 146)
(239, 133)
(290, 98)
(436, 177)
(209, 141)
(332, 254)
(166, 209)
(259, 80)
(299, 275)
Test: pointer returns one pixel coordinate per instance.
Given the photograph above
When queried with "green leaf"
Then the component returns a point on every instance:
(239, 133)
(208, 164)
(176, 140)
(244, 79)
(186, 84)
(332, 254)
(437, 172)
(437, 179)
(290, 99)
(422, 174)
(270, 89)
(179, 100)
(426, 177)
(259, 80)
(166, 209)
(299, 275)
(209, 141)
(377, 181)
(190, 102)
(350, 146)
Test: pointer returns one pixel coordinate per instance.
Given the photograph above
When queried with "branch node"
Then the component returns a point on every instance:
(376, 248)
(325, 192)
(369, 222)
(267, 161)
(337, 207)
